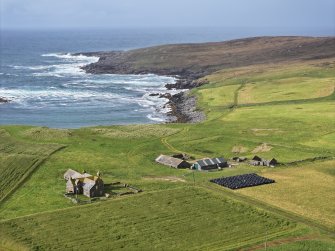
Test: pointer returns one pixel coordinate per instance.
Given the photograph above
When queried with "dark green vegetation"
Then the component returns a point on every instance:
(290, 121)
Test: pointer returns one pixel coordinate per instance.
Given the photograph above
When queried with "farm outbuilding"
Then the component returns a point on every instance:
(257, 161)
(240, 159)
(85, 183)
(210, 164)
(172, 162)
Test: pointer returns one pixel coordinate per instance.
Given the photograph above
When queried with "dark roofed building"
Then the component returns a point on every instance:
(210, 164)
(172, 162)
(240, 159)
(257, 161)
(256, 158)
(273, 162)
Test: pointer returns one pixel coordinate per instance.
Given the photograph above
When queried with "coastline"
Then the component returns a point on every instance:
(189, 63)
(182, 106)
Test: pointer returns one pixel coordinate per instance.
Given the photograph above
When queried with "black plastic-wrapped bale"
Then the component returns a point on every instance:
(241, 181)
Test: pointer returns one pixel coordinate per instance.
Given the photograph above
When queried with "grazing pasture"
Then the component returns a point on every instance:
(18, 160)
(306, 189)
(291, 120)
(175, 219)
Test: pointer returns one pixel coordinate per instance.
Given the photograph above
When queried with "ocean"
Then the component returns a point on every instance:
(46, 86)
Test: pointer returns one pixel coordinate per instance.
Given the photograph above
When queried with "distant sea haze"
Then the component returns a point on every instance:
(47, 87)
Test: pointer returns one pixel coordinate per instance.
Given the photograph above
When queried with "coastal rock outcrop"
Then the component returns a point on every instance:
(4, 100)
(190, 63)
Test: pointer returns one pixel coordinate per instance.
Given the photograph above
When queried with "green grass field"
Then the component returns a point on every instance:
(18, 160)
(174, 219)
(290, 116)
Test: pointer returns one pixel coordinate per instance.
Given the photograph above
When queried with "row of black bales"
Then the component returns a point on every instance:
(241, 181)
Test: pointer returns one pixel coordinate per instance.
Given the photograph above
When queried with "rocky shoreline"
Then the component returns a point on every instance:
(189, 63)
(183, 108)
(4, 100)
(182, 105)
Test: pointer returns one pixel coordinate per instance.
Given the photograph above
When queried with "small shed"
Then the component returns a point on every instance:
(257, 161)
(256, 158)
(172, 162)
(272, 162)
(239, 159)
(210, 164)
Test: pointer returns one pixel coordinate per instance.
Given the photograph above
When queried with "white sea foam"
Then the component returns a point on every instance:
(65, 65)
(68, 56)
(77, 88)
(157, 119)
(24, 96)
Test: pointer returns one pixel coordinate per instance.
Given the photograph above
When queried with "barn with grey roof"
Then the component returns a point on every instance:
(210, 164)
(172, 162)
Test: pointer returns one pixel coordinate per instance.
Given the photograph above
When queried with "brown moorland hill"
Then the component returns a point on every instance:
(192, 61)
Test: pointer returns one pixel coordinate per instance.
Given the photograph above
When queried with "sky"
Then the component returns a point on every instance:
(54, 14)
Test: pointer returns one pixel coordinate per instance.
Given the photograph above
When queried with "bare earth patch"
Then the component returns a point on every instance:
(165, 178)
(265, 131)
(4, 133)
(135, 131)
(262, 148)
(245, 94)
(326, 91)
(239, 149)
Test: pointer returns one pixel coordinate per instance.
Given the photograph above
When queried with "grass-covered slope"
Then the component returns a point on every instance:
(292, 119)
(197, 60)
(306, 189)
(18, 160)
(177, 219)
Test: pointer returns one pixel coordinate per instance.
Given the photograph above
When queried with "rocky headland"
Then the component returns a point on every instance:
(189, 63)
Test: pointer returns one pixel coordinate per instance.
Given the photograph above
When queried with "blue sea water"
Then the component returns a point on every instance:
(47, 87)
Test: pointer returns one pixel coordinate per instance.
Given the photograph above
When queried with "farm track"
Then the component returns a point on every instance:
(133, 151)
(169, 146)
(275, 243)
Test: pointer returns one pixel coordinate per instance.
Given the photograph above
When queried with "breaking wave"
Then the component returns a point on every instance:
(59, 81)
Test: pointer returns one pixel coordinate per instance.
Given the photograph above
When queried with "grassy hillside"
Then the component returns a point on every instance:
(292, 192)
(280, 110)
(198, 60)
(175, 219)
(18, 160)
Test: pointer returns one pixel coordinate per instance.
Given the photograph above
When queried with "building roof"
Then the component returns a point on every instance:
(71, 174)
(210, 162)
(75, 175)
(169, 161)
(89, 182)
(257, 158)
